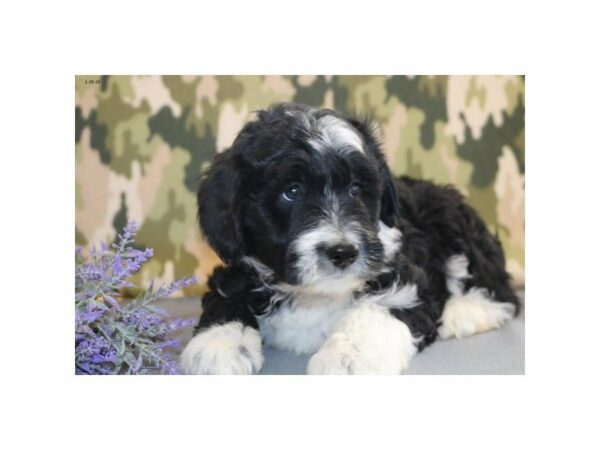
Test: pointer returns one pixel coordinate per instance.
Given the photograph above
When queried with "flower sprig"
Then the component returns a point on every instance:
(113, 337)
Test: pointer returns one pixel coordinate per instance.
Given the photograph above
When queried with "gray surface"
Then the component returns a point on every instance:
(498, 352)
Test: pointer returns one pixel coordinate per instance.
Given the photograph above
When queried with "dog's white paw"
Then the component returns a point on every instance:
(229, 349)
(345, 359)
(331, 361)
(370, 341)
(473, 312)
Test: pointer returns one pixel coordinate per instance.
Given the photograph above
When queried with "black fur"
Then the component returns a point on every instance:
(242, 213)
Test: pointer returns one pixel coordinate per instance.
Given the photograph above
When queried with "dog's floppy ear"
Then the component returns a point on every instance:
(217, 207)
(390, 207)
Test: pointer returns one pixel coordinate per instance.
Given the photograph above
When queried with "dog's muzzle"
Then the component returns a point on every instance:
(342, 255)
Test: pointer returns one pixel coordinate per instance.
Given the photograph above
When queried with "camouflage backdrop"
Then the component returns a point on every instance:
(142, 142)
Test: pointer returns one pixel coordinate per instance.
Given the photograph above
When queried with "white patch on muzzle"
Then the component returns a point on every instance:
(315, 271)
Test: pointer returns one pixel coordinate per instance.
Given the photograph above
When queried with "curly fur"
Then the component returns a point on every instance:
(299, 184)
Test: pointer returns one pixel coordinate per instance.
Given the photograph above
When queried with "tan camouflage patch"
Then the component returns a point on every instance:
(153, 91)
(231, 122)
(91, 179)
(142, 143)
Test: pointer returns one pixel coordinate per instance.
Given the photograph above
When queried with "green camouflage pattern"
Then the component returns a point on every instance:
(141, 143)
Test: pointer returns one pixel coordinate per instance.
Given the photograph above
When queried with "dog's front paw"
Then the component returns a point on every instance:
(344, 358)
(229, 349)
(369, 341)
(333, 360)
(328, 361)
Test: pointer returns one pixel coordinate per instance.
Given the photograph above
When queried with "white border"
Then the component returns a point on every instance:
(46, 43)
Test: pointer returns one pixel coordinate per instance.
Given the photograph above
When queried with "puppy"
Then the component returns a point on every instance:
(328, 254)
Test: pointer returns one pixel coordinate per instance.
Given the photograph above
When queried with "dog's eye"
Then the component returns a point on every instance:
(354, 190)
(292, 192)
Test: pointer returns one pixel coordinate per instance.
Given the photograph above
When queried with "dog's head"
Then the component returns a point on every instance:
(300, 195)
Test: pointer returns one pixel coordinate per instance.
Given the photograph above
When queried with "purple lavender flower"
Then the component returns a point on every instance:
(116, 337)
(175, 286)
(180, 324)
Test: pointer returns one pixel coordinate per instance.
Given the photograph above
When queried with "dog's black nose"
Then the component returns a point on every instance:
(342, 255)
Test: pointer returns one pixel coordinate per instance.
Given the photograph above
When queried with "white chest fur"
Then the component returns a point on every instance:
(303, 325)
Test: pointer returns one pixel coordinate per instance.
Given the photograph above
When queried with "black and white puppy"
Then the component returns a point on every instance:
(327, 254)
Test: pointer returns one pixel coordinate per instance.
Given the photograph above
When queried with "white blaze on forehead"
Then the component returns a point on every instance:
(328, 132)
(335, 133)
